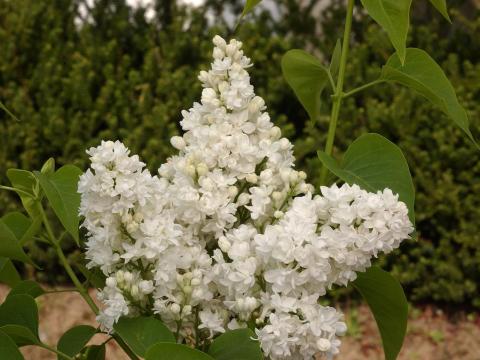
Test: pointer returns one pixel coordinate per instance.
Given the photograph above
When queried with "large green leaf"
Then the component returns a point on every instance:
(61, 191)
(307, 77)
(17, 222)
(20, 310)
(27, 287)
(21, 335)
(25, 181)
(8, 349)
(389, 306)
(9, 245)
(8, 273)
(249, 5)
(441, 6)
(94, 352)
(172, 351)
(375, 163)
(142, 332)
(75, 339)
(394, 17)
(421, 73)
(236, 345)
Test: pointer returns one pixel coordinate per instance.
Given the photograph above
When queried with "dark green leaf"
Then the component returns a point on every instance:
(94, 276)
(421, 73)
(27, 287)
(20, 310)
(172, 351)
(249, 5)
(307, 77)
(17, 222)
(441, 6)
(94, 352)
(61, 191)
(335, 61)
(8, 349)
(9, 245)
(74, 340)
(236, 345)
(8, 273)
(389, 306)
(375, 163)
(142, 332)
(21, 335)
(25, 181)
(394, 17)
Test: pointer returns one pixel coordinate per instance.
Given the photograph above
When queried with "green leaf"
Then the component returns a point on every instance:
(421, 73)
(48, 167)
(307, 77)
(142, 332)
(375, 163)
(17, 222)
(8, 273)
(394, 17)
(74, 340)
(335, 60)
(249, 5)
(389, 306)
(236, 345)
(27, 287)
(9, 113)
(61, 191)
(8, 349)
(21, 335)
(9, 245)
(441, 6)
(172, 351)
(94, 276)
(25, 181)
(20, 310)
(94, 352)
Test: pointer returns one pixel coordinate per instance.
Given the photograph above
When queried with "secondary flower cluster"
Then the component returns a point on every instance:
(228, 234)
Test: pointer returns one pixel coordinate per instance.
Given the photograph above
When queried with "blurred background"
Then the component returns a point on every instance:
(78, 71)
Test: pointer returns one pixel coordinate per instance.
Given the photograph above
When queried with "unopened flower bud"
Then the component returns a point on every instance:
(224, 244)
(111, 282)
(275, 133)
(187, 290)
(293, 177)
(278, 214)
(220, 42)
(178, 142)
(243, 199)
(266, 175)
(284, 143)
(188, 276)
(187, 310)
(146, 287)
(324, 344)
(251, 178)
(195, 282)
(128, 276)
(132, 227)
(202, 169)
(190, 170)
(218, 53)
(120, 277)
(302, 175)
(134, 291)
(232, 191)
(277, 196)
(175, 308)
(231, 49)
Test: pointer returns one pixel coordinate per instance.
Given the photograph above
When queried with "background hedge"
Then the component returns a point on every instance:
(75, 77)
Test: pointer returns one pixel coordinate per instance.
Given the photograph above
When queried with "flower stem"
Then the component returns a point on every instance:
(60, 354)
(337, 97)
(361, 88)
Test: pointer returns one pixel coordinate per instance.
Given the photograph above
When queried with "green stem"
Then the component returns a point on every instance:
(361, 88)
(18, 191)
(60, 354)
(337, 97)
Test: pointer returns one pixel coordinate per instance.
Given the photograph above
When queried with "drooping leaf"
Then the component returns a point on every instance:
(20, 310)
(8, 273)
(441, 6)
(335, 60)
(394, 17)
(25, 181)
(375, 163)
(422, 74)
(172, 351)
(27, 287)
(307, 77)
(8, 349)
(9, 245)
(236, 345)
(142, 332)
(95, 352)
(389, 306)
(249, 5)
(75, 339)
(21, 335)
(61, 191)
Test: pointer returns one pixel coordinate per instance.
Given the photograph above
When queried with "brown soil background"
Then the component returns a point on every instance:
(431, 334)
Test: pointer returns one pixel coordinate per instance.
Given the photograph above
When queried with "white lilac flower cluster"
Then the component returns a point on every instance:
(229, 235)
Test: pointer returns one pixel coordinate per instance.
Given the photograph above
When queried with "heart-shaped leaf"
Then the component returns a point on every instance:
(27, 287)
(20, 310)
(307, 77)
(375, 163)
(10, 246)
(389, 306)
(8, 349)
(25, 181)
(61, 191)
(394, 17)
(23, 228)
(142, 332)
(75, 339)
(172, 351)
(236, 345)
(421, 73)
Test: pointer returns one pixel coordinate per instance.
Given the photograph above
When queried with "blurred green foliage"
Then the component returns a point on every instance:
(76, 75)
